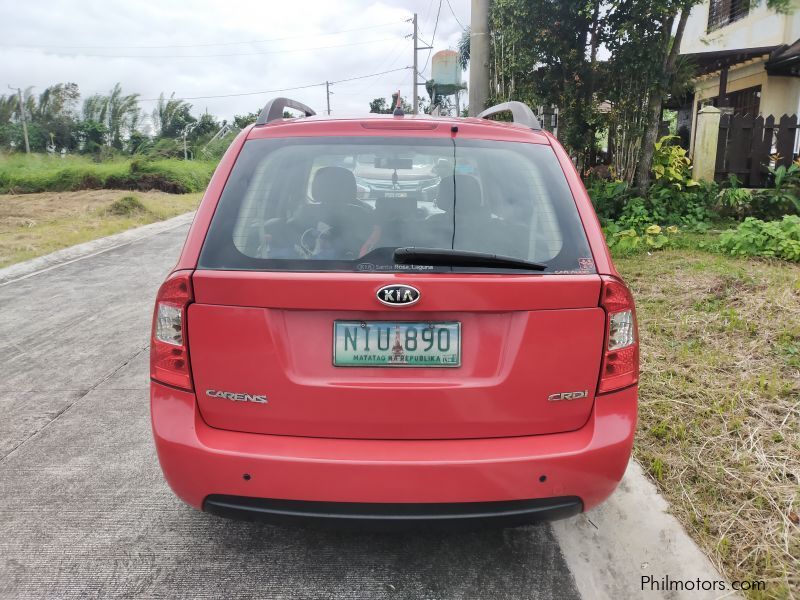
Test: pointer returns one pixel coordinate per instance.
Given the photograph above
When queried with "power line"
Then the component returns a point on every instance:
(201, 45)
(433, 37)
(221, 55)
(452, 12)
(288, 89)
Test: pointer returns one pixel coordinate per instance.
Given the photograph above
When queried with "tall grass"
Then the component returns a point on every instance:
(21, 173)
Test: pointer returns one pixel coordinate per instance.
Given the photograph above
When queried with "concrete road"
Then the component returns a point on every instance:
(84, 511)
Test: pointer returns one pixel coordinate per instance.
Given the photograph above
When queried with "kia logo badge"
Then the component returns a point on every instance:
(398, 295)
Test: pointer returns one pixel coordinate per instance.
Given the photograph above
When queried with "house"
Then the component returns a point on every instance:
(746, 60)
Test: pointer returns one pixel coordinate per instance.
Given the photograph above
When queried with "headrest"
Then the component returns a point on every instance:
(467, 193)
(334, 185)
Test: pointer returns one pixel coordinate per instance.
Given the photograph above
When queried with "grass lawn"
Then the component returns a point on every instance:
(20, 173)
(719, 426)
(36, 224)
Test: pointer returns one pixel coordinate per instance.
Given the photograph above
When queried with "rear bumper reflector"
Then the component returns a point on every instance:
(393, 516)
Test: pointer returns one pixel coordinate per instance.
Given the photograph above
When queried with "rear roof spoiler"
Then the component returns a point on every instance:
(520, 113)
(274, 110)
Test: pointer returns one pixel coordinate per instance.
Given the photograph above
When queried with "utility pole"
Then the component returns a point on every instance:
(22, 116)
(328, 96)
(414, 95)
(479, 57)
(186, 130)
(415, 76)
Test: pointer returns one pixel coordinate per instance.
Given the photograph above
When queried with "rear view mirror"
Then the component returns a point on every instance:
(393, 163)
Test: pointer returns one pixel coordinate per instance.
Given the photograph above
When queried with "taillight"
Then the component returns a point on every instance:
(621, 351)
(169, 348)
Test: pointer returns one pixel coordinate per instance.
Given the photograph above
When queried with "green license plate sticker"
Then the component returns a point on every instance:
(397, 344)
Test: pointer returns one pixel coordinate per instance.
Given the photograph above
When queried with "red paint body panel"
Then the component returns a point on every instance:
(501, 388)
(198, 460)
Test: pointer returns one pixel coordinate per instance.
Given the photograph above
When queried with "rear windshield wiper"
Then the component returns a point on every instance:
(461, 258)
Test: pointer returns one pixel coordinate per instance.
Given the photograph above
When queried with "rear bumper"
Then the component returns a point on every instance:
(393, 516)
(201, 463)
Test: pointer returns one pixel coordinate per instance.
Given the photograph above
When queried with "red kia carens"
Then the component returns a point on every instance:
(396, 320)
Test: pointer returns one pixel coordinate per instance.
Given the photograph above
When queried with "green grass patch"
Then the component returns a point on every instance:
(21, 174)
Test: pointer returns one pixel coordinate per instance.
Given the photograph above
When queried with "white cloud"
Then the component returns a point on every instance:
(112, 27)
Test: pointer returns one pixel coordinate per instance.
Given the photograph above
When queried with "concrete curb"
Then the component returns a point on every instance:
(632, 536)
(55, 259)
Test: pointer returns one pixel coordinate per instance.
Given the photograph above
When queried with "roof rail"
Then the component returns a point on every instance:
(520, 112)
(274, 110)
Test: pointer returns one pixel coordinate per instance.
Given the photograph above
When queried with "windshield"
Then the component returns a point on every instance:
(345, 204)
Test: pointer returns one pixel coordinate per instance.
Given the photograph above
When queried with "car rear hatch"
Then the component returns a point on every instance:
(524, 339)
(522, 350)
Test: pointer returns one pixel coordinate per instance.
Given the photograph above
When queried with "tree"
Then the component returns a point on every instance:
(383, 106)
(118, 112)
(171, 116)
(242, 121)
(545, 52)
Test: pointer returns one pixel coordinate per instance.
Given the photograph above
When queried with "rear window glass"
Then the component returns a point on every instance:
(345, 204)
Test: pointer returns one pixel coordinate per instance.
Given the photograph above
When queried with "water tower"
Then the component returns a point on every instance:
(445, 78)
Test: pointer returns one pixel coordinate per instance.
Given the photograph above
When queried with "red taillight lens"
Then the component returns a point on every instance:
(621, 350)
(169, 348)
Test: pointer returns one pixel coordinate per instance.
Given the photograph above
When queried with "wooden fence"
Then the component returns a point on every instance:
(745, 144)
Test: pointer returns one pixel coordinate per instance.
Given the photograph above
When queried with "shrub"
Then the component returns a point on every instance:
(126, 206)
(628, 241)
(773, 239)
(671, 166)
(608, 197)
(733, 200)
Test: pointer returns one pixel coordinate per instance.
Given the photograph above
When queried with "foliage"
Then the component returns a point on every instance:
(118, 112)
(628, 241)
(545, 53)
(690, 206)
(772, 239)
(733, 200)
(463, 49)
(21, 173)
(671, 165)
(608, 197)
(170, 116)
(105, 124)
(126, 206)
(384, 107)
(782, 196)
(242, 121)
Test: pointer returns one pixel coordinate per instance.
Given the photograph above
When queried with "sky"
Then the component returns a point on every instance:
(216, 47)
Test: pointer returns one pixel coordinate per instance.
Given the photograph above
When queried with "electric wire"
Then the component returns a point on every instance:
(286, 89)
(288, 51)
(433, 37)
(200, 45)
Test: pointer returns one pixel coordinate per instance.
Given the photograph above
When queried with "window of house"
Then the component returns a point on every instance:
(725, 12)
(743, 102)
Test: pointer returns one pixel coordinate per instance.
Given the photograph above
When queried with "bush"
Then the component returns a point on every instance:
(623, 242)
(608, 197)
(126, 206)
(772, 239)
(671, 166)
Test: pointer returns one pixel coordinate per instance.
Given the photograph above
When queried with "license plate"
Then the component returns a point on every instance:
(395, 194)
(397, 344)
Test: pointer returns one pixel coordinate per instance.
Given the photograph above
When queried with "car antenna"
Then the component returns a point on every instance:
(398, 107)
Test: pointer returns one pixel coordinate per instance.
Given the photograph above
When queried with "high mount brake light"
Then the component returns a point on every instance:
(621, 345)
(169, 348)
